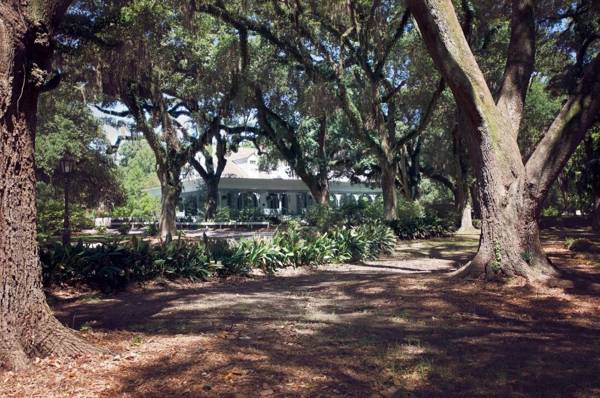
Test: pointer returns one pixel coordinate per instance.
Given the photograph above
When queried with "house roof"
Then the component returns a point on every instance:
(244, 164)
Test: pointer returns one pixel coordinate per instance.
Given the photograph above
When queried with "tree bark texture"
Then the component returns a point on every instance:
(320, 193)
(388, 188)
(170, 191)
(511, 192)
(596, 212)
(212, 198)
(27, 325)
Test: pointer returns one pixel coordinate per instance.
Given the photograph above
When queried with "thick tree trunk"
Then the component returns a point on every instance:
(461, 197)
(510, 243)
(320, 195)
(511, 192)
(593, 167)
(27, 325)
(474, 191)
(212, 198)
(388, 188)
(596, 211)
(466, 222)
(170, 192)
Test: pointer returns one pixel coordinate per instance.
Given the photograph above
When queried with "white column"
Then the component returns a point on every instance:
(279, 203)
(338, 198)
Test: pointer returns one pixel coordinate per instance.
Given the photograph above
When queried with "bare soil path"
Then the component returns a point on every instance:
(397, 327)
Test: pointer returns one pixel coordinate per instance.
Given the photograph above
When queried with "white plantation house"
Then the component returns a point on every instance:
(244, 186)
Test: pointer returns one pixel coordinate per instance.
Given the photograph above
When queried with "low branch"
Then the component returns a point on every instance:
(426, 118)
(577, 116)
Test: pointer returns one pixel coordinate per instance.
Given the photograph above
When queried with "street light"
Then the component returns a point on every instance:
(67, 164)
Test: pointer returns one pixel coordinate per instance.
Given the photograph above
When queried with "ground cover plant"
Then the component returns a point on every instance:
(114, 264)
(414, 220)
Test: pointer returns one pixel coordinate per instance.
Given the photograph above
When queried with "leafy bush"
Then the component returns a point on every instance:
(251, 254)
(252, 214)
(580, 245)
(301, 248)
(420, 228)
(219, 249)
(551, 211)
(366, 242)
(415, 222)
(381, 239)
(50, 218)
(111, 266)
(223, 214)
(295, 246)
(152, 229)
(349, 214)
(350, 243)
(322, 217)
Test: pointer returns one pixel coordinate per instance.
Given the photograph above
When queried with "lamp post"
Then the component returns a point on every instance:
(66, 166)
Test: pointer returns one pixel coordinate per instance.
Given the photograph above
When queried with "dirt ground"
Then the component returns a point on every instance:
(397, 327)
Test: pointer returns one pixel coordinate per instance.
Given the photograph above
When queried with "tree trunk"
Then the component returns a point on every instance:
(27, 325)
(474, 191)
(388, 187)
(596, 210)
(593, 167)
(212, 198)
(510, 242)
(320, 194)
(170, 192)
(511, 192)
(466, 222)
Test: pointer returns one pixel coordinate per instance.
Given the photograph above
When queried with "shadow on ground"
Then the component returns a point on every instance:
(389, 328)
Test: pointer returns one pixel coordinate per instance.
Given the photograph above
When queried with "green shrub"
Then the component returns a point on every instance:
(322, 217)
(301, 246)
(111, 266)
(219, 249)
(50, 218)
(380, 239)
(349, 214)
(223, 214)
(551, 211)
(249, 254)
(580, 245)
(152, 229)
(414, 220)
(424, 227)
(252, 214)
(350, 243)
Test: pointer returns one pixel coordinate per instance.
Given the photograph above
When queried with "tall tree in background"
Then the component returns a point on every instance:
(27, 326)
(354, 49)
(177, 77)
(512, 189)
(300, 122)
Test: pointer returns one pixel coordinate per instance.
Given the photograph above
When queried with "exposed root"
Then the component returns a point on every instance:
(44, 338)
(12, 357)
(539, 272)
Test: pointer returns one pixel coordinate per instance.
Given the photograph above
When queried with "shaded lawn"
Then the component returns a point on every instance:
(396, 327)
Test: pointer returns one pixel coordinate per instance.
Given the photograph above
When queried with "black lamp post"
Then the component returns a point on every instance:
(67, 164)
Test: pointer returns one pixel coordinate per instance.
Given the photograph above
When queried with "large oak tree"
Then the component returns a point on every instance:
(512, 188)
(27, 325)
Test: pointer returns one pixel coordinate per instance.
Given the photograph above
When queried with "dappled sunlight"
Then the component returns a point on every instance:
(344, 331)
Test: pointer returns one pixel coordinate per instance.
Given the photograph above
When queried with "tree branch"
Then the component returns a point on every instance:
(426, 117)
(578, 114)
(519, 63)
